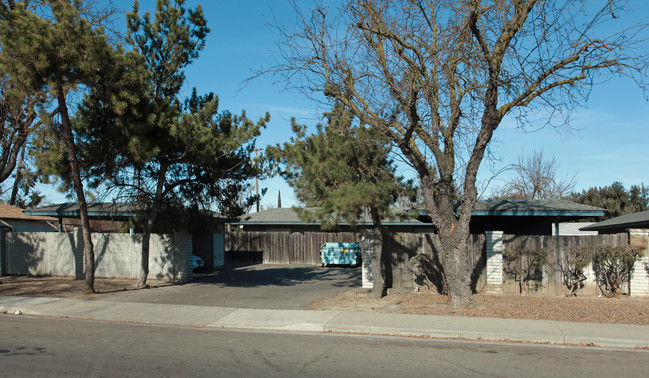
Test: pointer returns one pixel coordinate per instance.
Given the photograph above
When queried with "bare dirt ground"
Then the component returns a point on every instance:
(621, 310)
(63, 287)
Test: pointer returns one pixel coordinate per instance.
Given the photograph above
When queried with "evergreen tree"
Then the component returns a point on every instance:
(18, 118)
(23, 192)
(615, 199)
(346, 173)
(57, 56)
(169, 153)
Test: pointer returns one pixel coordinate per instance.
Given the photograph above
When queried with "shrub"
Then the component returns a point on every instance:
(613, 266)
(578, 258)
(525, 267)
(430, 272)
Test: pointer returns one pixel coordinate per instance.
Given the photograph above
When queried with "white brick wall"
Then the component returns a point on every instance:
(640, 275)
(494, 259)
(367, 249)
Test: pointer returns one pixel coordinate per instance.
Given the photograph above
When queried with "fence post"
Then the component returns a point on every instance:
(367, 249)
(640, 275)
(494, 261)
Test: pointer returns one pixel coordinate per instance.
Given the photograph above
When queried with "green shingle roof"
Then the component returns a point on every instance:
(97, 209)
(635, 220)
(541, 208)
(546, 208)
(288, 216)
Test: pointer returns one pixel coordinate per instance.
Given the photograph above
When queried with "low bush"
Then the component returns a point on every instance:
(613, 267)
(573, 270)
(525, 267)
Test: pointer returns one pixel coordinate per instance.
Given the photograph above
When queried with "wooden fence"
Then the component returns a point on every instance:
(285, 248)
(280, 247)
(558, 248)
(406, 275)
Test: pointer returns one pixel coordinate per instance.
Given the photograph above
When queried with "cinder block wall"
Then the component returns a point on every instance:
(116, 255)
(44, 253)
(182, 242)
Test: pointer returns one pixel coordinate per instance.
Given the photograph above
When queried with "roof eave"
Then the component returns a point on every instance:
(75, 214)
(614, 226)
(266, 223)
(536, 213)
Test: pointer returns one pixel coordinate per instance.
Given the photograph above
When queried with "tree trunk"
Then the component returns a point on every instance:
(144, 262)
(451, 242)
(88, 249)
(146, 237)
(458, 274)
(19, 167)
(381, 261)
(378, 265)
(10, 153)
(148, 229)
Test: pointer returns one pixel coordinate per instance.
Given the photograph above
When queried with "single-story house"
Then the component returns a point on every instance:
(530, 217)
(280, 236)
(114, 218)
(104, 217)
(288, 220)
(620, 224)
(14, 219)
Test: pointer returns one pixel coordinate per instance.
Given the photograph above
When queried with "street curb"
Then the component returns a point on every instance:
(344, 322)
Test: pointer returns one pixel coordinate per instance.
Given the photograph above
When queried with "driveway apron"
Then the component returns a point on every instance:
(262, 286)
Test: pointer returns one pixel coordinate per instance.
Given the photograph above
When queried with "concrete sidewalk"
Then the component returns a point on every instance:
(538, 331)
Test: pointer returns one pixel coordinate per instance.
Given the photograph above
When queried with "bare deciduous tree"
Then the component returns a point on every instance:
(438, 77)
(535, 177)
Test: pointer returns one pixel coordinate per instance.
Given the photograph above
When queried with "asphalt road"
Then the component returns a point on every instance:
(67, 347)
(263, 286)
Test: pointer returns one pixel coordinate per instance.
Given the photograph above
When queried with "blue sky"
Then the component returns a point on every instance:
(608, 140)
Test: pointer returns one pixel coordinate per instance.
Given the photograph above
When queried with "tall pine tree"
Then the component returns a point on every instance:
(615, 199)
(169, 153)
(57, 56)
(346, 173)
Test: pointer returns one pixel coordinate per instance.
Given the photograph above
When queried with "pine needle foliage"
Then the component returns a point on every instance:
(343, 174)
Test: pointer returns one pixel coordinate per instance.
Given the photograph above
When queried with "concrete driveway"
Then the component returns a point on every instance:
(262, 286)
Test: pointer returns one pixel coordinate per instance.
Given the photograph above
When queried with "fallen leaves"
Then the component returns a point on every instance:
(621, 310)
